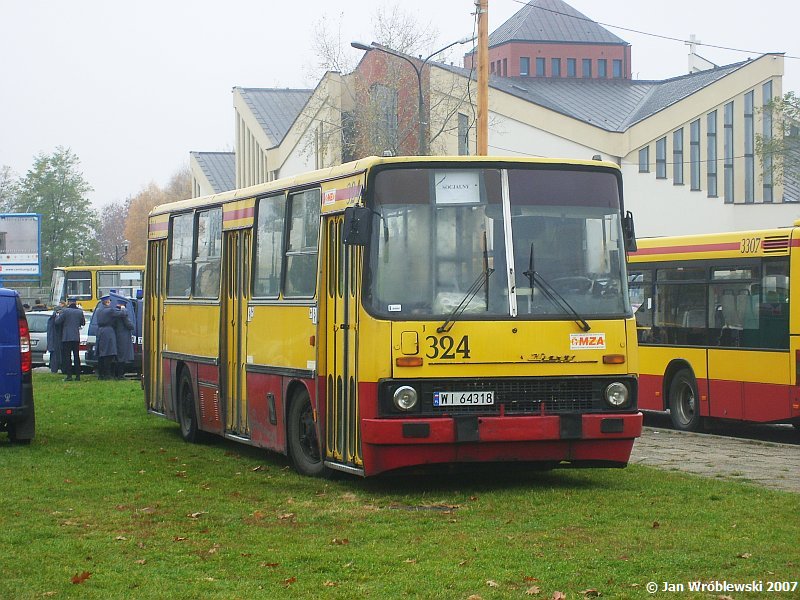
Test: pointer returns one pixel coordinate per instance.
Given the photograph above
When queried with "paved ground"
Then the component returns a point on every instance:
(770, 464)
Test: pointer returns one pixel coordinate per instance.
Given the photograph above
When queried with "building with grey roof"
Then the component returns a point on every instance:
(212, 172)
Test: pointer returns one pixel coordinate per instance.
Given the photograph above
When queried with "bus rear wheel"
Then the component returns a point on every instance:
(684, 402)
(304, 448)
(187, 416)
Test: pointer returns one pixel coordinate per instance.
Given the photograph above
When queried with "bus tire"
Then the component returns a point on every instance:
(303, 445)
(684, 402)
(185, 409)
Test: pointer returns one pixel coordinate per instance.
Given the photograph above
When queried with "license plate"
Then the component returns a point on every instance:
(463, 398)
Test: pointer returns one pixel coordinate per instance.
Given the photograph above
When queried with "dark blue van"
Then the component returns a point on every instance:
(16, 385)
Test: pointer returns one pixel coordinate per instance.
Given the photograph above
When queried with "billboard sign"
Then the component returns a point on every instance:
(20, 244)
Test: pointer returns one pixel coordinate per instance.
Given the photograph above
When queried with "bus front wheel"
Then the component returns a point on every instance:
(187, 416)
(684, 402)
(302, 433)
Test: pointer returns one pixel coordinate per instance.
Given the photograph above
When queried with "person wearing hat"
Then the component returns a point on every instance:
(106, 346)
(123, 326)
(71, 320)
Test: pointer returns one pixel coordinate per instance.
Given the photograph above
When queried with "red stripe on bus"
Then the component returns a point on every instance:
(348, 192)
(239, 213)
(691, 248)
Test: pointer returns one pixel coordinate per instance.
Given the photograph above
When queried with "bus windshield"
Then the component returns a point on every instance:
(527, 242)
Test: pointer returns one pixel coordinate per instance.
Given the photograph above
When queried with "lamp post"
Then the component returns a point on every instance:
(117, 255)
(422, 146)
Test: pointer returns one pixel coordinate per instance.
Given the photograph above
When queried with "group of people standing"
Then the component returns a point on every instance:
(64, 339)
(113, 347)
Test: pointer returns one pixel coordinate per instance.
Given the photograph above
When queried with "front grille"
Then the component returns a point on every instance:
(517, 396)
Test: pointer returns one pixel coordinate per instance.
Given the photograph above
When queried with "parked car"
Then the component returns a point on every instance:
(17, 416)
(85, 366)
(37, 325)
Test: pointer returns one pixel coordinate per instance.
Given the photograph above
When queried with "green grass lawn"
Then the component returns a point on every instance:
(109, 502)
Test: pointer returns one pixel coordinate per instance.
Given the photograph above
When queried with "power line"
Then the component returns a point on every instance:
(647, 33)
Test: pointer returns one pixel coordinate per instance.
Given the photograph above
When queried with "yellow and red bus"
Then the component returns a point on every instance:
(717, 332)
(398, 312)
(88, 283)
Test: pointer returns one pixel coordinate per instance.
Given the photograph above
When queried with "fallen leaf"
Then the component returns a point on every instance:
(724, 597)
(590, 593)
(121, 538)
(178, 538)
(744, 555)
(259, 468)
(269, 565)
(329, 584)
(196, 515)
(411, 561)
(290, 581)
(286, 516)
(558, 596)
(80, 578)
(340, 542)
(529, 579)
(533, 590)
(475, 597)
(140, 561)
(656, 524)
(491, 583)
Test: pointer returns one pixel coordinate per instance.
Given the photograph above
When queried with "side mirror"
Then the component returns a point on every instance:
(357, 226)
(629, 232)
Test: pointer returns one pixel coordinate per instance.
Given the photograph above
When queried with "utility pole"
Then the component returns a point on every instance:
(482, 7)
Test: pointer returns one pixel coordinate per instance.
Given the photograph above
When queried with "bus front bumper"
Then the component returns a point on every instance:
(574, 439)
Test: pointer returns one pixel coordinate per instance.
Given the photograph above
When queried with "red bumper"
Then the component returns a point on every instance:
(591, 439)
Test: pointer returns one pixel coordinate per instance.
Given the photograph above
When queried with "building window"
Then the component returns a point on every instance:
(587, 67)
(728, 150)
(540, 66)
(617, 66)
(384, 105)
(694, 154)
(524, 66)
(661, 158)
(555, 67)
(572, 68)
(711, 154)
(644, 160)
(602, 68)
(463, 134)
(677, 156)
(749, 149)
(766, 132)
(505, 67)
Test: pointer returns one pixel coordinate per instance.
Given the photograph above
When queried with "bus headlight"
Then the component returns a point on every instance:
(617, 394)
(405, 397)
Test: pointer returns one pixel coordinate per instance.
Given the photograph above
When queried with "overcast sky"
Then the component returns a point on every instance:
(132, 87)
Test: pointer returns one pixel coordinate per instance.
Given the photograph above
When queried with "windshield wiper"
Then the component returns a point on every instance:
(481, 280)
(549, 292)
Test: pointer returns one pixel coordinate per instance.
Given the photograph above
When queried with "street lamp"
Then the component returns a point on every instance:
(117, 255)
(422, 147)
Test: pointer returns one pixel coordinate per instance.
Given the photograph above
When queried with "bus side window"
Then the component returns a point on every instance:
(301, 250)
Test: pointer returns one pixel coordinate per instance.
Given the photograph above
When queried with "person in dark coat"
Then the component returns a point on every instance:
(106, 345)
(123, 326)
(71, 320)
(54, 339)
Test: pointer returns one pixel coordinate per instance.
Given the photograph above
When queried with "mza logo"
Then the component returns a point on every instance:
(587, 341)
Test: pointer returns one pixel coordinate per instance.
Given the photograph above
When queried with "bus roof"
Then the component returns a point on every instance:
(360, 166)
(744, 244)
(99, 267)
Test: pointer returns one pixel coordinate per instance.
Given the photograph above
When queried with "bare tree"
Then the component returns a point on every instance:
(8, 188)
(111, 235)
(376, 110)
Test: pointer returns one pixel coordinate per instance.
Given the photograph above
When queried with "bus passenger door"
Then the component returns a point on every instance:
(152, 364)
(235, 294)
(342, 434)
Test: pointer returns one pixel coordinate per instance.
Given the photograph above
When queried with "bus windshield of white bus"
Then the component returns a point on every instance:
(443, 239)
